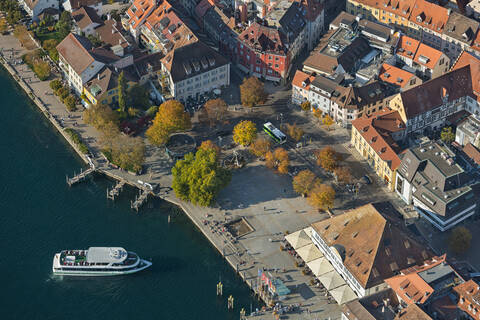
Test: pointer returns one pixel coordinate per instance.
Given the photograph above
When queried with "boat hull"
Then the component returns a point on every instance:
(144, 264)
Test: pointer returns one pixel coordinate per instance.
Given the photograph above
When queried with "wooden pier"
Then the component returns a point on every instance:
(140, 199)
(79, 177)
(111, 194)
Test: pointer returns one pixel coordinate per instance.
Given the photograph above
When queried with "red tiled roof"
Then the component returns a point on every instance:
(407, 47)
(376, 130)
(429, 15)
(469, 297)
(432, 54)
(396, 76)
(410, 287)
(301, 77)
(139, 11)
(263, 38)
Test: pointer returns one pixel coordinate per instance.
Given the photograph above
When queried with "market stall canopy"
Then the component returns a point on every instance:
(309, 252)
(331, 280)
(320, 266)
(280, 288)
(308, 230)
(298, 239)
(343, 294)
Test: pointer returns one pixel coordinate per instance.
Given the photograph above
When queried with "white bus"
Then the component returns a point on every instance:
(274, 133)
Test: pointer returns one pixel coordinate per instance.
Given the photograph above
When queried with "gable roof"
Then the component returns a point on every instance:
(75, 4)
(85, 16)
(139, 11)
(376, 130)
(469, 301)
(396, 76)
(192, 59)
(412, 312)
(410, 286)
(109, 33)
(75, 50)
(427, 56)
(469, 59)
(263, 38)
(428, 96)
(461, 27)
(371, 248)
(472, 152)
(429, 15)
(300, 78)
(407, 47)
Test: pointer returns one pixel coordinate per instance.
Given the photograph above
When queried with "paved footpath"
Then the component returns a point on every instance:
(263, 198)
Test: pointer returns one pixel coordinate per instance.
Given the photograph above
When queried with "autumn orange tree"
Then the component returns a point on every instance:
(252, 92)
(171, 117)
(327, 121)
(295, 132)
(244, 133)
(278, 160)
(215, 110)
(322, 197)
(209, 145)
(306, 106)
(260, 147)
(328, 158)
(343, 174)
(304, 182)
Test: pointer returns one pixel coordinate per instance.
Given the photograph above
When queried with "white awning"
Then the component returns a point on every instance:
(320, 266)
(309, 252)
(331, 280)
(298, 239)
(343, 294)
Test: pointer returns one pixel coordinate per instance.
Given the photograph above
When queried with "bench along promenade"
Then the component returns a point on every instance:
(265, 200)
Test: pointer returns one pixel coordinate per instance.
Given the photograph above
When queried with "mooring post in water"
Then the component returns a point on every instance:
(168, 218)
(230, 302)
(219, 289)
(242, 314)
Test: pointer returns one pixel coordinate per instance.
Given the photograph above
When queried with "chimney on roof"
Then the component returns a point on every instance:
(98, 76)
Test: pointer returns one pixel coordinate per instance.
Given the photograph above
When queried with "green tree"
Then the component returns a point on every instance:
(137, 97)
(304, 182)
(96, 42)
(459, 240)
(101, 117)
(64, 25)
(244, 133)
(122, 92)
(55, 84)
(42, 69)
(447, 135)
(70, 103)
(252, 92)
(198, 178)
(171, 117)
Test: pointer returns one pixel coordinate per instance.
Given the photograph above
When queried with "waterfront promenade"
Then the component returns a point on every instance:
(264, 199)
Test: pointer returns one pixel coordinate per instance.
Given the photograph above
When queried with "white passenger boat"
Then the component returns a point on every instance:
(98, 261)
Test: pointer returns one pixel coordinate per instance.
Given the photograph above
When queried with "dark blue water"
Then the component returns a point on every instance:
(40, 215)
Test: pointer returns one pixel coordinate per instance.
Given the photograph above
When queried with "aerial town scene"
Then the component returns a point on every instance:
(262, 159)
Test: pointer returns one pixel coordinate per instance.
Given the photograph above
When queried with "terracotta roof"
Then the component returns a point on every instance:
(429, 15)
(412, 312)
(427, 56)
(302, 77)
(139, 11)
(407, 47)
(445, 308)
(377, 129)
(412, 288)
(263, 38)
(370, 247)
(472, 152)
(476, 42)
(75, 50)
(428, 96)
(402, 8)
(469, 59)
(85, 16)
(396, 76)
(469, 297)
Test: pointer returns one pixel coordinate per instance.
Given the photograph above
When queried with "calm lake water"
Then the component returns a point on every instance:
(40, 215)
